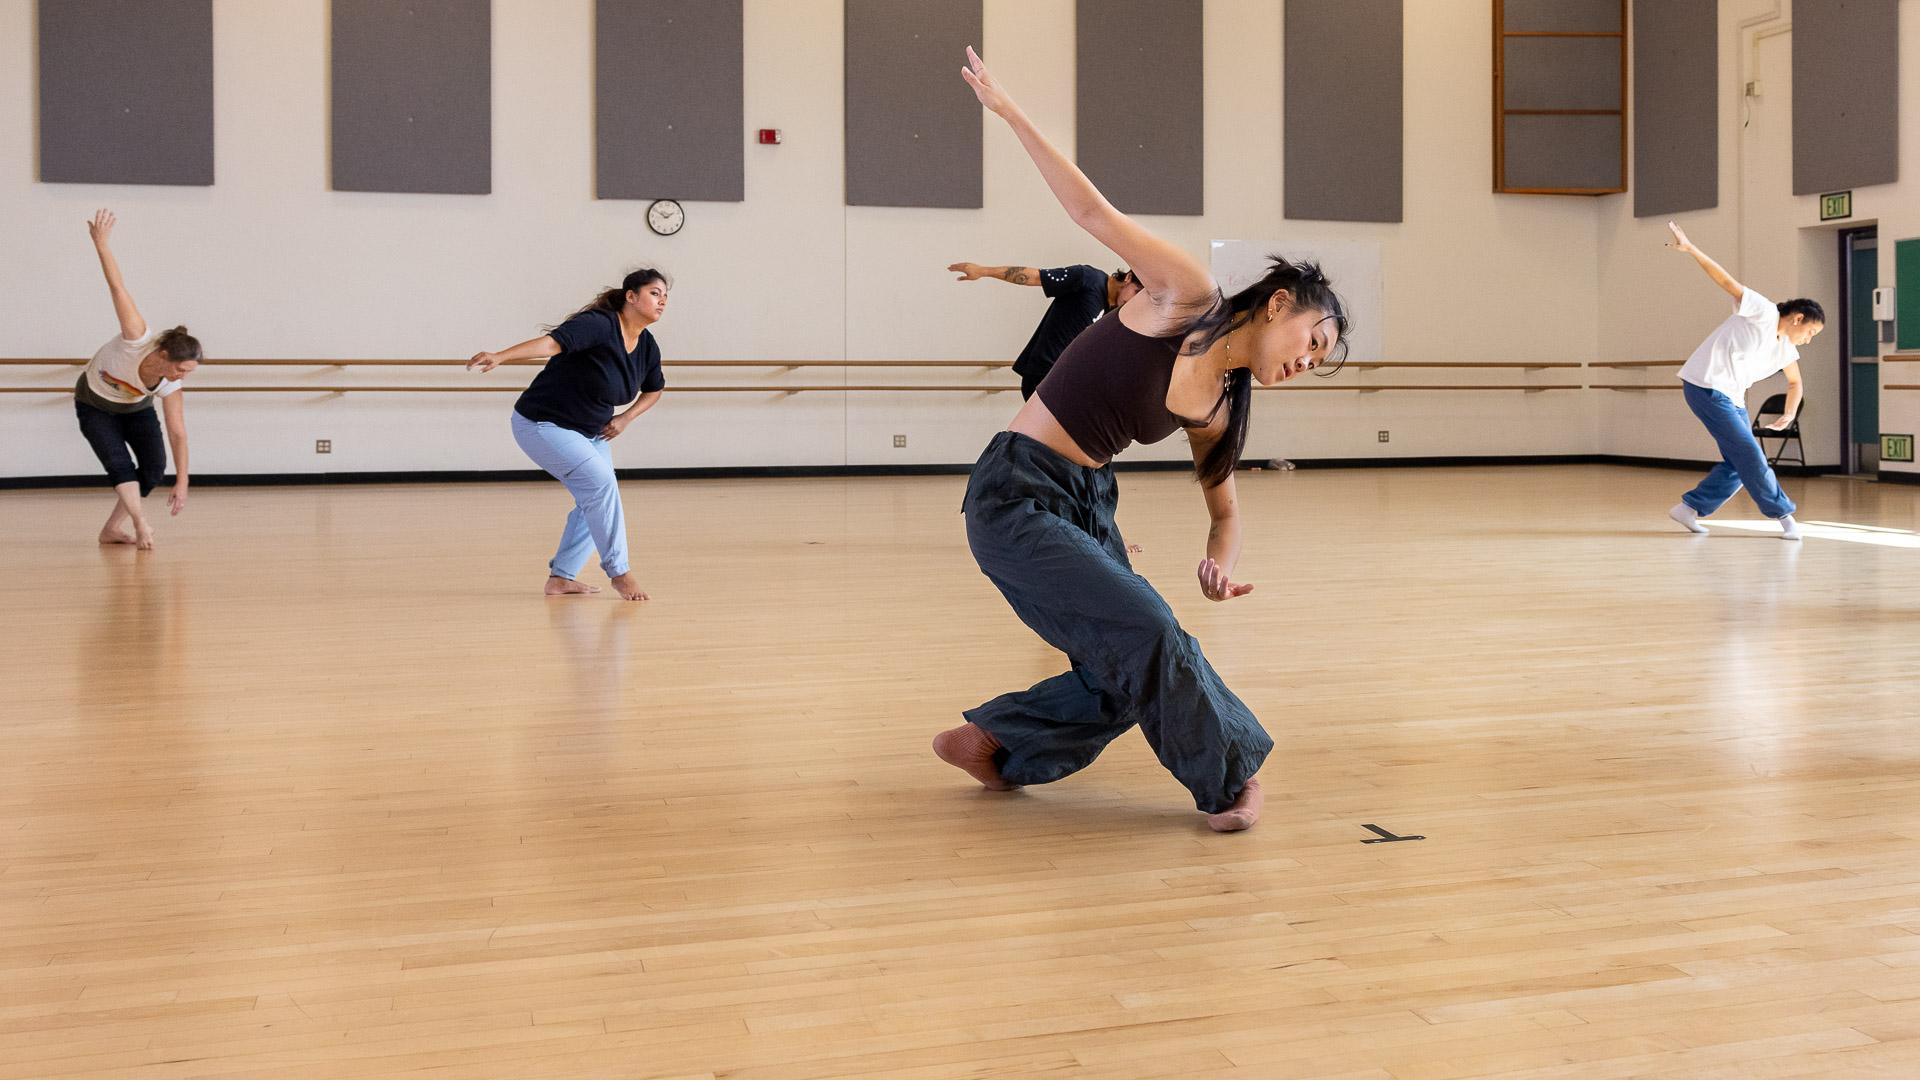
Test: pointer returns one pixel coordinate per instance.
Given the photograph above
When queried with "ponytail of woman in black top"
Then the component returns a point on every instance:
(602, 372)
(1040, 503)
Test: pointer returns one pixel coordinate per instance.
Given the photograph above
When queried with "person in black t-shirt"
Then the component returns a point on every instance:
(1080, 295)
(603, 371)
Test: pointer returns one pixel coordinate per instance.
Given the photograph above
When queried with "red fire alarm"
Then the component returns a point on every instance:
(769, 136)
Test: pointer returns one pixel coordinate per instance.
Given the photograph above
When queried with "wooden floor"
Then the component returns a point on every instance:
(324, 788)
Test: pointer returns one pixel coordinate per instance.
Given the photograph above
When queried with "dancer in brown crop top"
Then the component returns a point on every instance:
(1040, 501)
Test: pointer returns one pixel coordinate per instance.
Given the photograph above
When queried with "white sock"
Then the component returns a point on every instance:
(1789, 528)
(1688, 519)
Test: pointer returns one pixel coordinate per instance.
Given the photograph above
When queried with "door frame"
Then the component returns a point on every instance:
(1849, 455)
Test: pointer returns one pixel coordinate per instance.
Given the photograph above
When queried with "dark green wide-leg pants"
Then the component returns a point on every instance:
(1042, 530)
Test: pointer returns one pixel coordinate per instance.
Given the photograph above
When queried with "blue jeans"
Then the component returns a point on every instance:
(1741, 459)
(585, 466)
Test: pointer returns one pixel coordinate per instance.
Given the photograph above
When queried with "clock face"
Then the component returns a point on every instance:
(665, 217)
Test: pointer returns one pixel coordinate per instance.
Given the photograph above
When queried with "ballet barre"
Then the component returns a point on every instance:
(1359, 365)
(418, 363)
(805, 388)
(814, 388)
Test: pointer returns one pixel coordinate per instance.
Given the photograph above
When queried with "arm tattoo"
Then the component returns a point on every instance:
(1016, 276)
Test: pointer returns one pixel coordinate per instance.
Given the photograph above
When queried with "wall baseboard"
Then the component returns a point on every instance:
(1702, 466)
(761, 472)
(1546, 459)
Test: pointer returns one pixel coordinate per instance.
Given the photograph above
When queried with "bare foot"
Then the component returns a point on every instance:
(1244, 811)
(559, 586)
(143, 536)
(115, 536)
(970, 749)
(628, 588)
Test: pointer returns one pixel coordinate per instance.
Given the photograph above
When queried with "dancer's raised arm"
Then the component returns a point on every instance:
(1714, 270)
(133, 327)
(539, 348)
(1175, 281)
(1012, 275)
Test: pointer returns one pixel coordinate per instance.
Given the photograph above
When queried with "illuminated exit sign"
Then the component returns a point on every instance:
(1896, 448)
(1837, 205)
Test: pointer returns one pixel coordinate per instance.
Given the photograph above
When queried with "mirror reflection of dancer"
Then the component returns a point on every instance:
(114, 402)
(1040, 505)
(1758, 339)
(600, 360)
(1080, 294)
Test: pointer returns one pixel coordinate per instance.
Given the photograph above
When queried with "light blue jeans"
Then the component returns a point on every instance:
(1741, 459)
(585, 466)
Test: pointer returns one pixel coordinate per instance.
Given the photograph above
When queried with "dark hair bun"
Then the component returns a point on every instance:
(179, 345)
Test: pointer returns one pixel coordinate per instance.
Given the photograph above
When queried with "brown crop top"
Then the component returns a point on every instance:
(1108, 390)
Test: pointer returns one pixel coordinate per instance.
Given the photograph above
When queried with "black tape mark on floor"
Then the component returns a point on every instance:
(1385, 837)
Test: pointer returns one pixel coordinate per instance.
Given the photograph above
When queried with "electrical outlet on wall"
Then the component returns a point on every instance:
(899, 442)
(323, 446)
(1383, 436)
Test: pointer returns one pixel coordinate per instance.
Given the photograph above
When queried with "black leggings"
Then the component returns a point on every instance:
(129, 444)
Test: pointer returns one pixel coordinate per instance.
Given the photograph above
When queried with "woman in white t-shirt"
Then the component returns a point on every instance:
(1758, 339)
(114, 403)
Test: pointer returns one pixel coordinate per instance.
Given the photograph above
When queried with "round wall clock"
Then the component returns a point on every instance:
(665, 217)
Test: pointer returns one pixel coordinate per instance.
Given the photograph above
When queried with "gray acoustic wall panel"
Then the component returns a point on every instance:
(669, 119)
(1140, 107)
(1846, 85)
(1676, 106)
(1563, 151)
(1563, 16)
(1562, 73)
(413, 96)
(126, 92)
(913, 128)
(1344, 115)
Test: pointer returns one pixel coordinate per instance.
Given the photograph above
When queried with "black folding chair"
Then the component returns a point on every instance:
(1777, 406)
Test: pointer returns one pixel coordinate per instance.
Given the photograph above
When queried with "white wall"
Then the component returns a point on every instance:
(269, 263)
(1655, 304)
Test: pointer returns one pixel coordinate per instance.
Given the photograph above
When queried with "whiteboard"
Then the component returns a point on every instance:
(1352, 266)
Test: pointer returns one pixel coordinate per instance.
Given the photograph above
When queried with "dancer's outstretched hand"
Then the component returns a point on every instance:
(178, 501)
(101, 227)
(1214, 583)
(986, 87)
(967, 271)
(483, 361)
(1679, 242)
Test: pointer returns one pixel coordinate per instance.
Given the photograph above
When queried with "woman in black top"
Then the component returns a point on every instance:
(1040, 505)
(603, 359)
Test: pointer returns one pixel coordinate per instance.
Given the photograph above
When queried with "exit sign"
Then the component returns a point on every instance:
(1896, 448)
(1837, 205)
